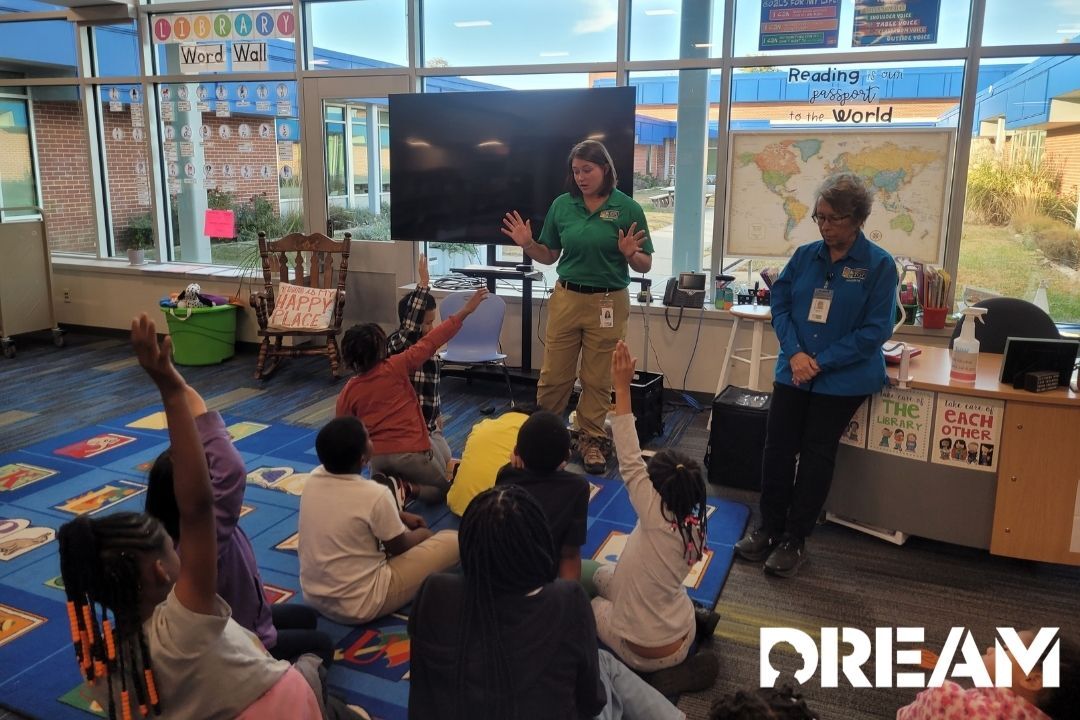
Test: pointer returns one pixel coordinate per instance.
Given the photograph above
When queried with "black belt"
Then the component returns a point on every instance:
(587, 289)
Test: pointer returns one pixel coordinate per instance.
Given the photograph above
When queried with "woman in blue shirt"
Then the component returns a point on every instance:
(832, 308)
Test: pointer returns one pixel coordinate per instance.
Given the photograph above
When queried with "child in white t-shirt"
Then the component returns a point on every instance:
(349, 525)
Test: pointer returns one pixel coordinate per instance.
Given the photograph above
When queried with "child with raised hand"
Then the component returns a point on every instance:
(382, 396)
(642, 610)
(1027, 698)
(416, 318)
(349, 525)
(506, 639)
(164, 641)
(288, 630)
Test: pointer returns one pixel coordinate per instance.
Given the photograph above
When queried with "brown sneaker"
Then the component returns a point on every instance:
(592, 456)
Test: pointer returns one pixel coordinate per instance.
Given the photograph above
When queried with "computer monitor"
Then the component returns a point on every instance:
(1024, 355)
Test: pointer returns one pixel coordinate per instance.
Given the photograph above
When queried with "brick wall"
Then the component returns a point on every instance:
(65, 174)
(64, 168)
(1063, 149)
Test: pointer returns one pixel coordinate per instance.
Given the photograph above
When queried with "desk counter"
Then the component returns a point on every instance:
(1029, 508)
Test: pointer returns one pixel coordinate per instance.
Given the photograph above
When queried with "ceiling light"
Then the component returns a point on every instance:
(554, 54)
(663, 11)
(472, 23)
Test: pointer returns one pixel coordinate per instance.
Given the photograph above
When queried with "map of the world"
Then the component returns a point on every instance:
(774, 178)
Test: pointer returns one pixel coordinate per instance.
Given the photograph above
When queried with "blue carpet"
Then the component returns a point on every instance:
(102, 468)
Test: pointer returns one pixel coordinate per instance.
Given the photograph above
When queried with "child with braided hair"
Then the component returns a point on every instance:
(507, 640)
(642, 611)
(151, 634)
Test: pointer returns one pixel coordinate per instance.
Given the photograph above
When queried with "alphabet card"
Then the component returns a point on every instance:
(967, 432)
(900, 422)
(19, 536)
(95, 445)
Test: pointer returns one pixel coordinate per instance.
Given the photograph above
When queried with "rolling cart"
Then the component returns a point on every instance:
(25, 281)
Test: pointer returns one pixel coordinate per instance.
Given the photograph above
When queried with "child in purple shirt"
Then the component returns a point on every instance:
(287, 631)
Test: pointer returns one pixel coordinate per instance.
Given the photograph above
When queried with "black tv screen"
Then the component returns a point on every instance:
(460, 161)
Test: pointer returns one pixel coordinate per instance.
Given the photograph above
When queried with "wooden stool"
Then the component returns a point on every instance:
(760, 315)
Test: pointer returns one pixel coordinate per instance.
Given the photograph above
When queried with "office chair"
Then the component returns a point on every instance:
(477, 343)
(1008, 317)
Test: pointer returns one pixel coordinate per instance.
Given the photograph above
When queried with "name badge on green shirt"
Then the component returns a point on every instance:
(609, 214)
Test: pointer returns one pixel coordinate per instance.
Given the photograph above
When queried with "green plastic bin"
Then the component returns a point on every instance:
(202, 336)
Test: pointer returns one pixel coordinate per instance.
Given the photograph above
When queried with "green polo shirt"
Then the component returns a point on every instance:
(590, 241)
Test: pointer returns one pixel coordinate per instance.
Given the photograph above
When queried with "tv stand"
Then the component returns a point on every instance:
(491, 273)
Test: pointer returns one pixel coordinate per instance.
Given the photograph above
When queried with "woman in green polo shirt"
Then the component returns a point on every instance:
(597, 234)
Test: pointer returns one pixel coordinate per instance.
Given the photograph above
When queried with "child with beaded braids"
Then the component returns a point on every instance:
(507, 640)
(150, 633)
(642, 611)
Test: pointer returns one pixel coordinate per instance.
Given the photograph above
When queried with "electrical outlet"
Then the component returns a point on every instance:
(67, 295)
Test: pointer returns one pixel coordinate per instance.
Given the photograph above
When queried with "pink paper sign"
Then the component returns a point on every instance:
(219, 224)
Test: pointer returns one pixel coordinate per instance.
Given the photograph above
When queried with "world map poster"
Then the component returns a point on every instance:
(774, 177)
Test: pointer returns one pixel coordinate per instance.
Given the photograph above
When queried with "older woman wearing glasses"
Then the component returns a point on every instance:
(832, 308)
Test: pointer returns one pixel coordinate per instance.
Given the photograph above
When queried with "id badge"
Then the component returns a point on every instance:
(607, 313)
(819, 306)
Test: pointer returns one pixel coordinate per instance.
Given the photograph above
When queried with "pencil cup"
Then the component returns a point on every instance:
(934, 318)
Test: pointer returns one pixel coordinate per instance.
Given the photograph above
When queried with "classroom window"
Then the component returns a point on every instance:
(495, 32)
(62, 159)
(1019, 235)
(663, 30)
(115, 49)
(18, 187)
(1031, 22)
(359, 34)
(230, 146)
(126, 169)
(38, 49)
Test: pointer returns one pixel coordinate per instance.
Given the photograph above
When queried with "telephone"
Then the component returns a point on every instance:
(685, 291)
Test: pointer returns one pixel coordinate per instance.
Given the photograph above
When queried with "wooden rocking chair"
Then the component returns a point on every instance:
(315, 261)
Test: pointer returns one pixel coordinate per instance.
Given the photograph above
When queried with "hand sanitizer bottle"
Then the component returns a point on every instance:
(965, 352)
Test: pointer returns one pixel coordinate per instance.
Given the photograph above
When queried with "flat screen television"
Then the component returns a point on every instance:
(460, 161)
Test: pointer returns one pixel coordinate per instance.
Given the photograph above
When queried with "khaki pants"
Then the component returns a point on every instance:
(439, 552)
(573, 329)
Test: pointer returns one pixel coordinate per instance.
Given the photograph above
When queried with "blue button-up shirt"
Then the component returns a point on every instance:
(847, 347)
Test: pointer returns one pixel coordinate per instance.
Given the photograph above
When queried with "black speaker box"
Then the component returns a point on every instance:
(737, 437)
(647, 401)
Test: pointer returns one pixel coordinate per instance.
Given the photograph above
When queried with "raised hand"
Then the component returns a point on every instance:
(474, 301)
(622, 366)
(422, 271)
(518, 230)
(631, 240)
(156, 359)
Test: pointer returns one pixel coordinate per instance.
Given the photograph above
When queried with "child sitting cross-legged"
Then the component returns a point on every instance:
(381, 394)
(163, 641)
(642, 610)
(543, 446)
(348, 526)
